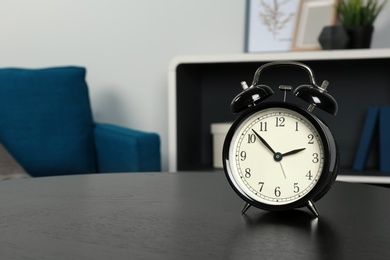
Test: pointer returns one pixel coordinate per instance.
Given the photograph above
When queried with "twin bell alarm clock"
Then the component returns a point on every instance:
(278, 156)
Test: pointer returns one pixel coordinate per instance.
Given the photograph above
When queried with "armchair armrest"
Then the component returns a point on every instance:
(122, 149)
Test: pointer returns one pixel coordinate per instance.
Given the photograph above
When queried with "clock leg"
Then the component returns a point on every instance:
(312, 208)
(245, 208)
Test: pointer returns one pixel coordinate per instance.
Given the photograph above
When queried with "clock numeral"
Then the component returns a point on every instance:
(311, 139)
(296, 126)
(280, 121)
(248, 173)
(309, 176)
(263, 126)
(277, 192)
(315, 158)
(251, 138)
(261, 186)
(296, 188)
(243, 155)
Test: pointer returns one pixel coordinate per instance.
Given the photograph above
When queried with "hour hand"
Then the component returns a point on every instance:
(264, 142)
(293, 151)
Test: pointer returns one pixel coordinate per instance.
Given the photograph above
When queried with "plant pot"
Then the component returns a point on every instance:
(360, 36)
(333, 37)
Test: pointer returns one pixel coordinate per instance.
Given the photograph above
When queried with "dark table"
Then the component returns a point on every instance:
(186, 215)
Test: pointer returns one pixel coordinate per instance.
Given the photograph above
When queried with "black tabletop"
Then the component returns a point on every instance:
(186, 215)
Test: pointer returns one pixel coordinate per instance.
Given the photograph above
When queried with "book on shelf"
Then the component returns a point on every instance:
(366, 138)
(384, 139)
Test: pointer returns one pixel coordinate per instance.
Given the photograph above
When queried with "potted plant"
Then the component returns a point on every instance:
(358, 17)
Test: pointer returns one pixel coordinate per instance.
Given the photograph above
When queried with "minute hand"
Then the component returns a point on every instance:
(264, 142)
(293, 151)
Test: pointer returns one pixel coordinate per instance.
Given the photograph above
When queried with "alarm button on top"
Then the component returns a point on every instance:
(250, 97)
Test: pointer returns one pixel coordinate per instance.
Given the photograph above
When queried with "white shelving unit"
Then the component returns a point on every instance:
(190, 76)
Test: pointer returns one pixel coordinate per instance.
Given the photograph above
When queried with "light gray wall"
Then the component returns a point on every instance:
(126, 45)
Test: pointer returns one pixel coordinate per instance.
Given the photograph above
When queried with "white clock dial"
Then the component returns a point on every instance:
(276, 156)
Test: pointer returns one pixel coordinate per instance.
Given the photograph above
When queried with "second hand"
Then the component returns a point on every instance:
(281, 166)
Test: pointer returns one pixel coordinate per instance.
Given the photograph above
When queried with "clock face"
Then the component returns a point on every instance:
(275, 156)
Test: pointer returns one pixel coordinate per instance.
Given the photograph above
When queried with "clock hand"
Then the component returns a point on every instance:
(264, 142)
(281, 166)
(293, 151)
(277, 156)
(288, 153)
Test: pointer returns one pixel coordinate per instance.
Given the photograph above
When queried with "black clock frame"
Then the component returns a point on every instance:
(331, 158)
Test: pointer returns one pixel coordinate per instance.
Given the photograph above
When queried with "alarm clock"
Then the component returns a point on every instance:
(278, 156)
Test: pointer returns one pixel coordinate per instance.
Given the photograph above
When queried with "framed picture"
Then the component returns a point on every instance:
(270, 25)
(313, 15)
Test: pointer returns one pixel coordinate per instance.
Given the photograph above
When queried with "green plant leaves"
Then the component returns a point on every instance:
(359, 12)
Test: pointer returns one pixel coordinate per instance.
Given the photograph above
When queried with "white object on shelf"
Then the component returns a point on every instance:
(219, 131)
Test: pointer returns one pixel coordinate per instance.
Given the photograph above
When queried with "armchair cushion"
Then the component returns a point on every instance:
(125, 150)
(46, 120)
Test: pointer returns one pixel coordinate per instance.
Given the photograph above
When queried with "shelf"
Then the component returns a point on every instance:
(274, 56)
(202, 87)
(367, 176)
(364, 179)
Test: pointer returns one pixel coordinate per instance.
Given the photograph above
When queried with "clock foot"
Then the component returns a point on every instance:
(245, 208)
(312, 208)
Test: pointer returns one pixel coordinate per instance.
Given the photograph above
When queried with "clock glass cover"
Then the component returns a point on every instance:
(276, 155)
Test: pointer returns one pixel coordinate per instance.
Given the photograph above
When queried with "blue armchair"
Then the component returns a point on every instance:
(46, 124)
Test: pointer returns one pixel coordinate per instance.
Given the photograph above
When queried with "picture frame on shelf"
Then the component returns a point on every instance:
(270, 25)
(313, 15)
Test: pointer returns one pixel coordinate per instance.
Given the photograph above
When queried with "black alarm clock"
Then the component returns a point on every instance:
(279, 156)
